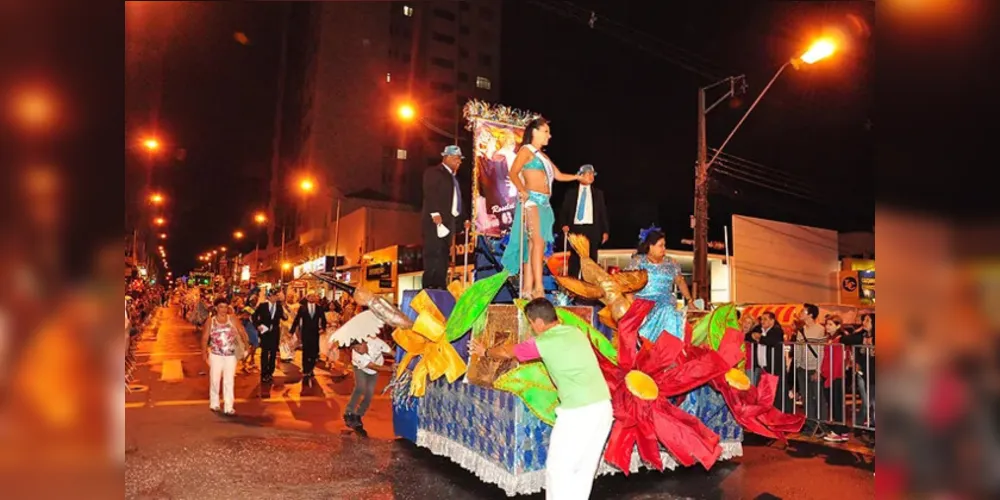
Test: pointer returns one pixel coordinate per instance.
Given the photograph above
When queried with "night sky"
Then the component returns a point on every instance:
(612, 103)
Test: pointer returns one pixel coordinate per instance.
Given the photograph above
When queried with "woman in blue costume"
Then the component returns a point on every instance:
(532, 174)
(664, 274)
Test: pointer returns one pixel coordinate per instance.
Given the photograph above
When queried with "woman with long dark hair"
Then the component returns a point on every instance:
(532, 174)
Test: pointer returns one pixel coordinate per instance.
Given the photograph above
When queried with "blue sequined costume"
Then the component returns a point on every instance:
(660, 289)
(703, 402)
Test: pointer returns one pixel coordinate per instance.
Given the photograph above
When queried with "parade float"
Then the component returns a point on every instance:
(494, 417)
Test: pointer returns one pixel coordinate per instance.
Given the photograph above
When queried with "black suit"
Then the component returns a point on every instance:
(439, 193)
(311, 327)
(773, 340)
(594, 232)
(269, 339)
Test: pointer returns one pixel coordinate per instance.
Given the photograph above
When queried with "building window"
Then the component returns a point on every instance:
(464, 54)
(483, 83)
(407, 11)
(485, 59)
(442, 87)
(486, 13)
(462, 77)
(388, 77)
(438, 37)
(463, 30)
(400, 154)
(443, 63)
(444, 14)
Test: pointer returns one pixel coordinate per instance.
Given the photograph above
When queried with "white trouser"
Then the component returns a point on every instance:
(222, 369)
(575, 449)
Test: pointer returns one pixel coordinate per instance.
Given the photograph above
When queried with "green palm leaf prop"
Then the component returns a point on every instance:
(710, 329)
(532, 384)
(472, 305)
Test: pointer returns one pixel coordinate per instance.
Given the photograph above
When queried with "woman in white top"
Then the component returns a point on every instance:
(220, 337)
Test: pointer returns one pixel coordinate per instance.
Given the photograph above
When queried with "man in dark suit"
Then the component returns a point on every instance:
(768, 355)
(584, 212)
(267, 318)
(442, 206)
(311, 319)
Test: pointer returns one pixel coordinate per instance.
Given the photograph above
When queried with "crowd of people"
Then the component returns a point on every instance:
(819, 364)
(243, 327)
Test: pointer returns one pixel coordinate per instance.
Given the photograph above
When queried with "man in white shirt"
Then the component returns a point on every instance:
(808, 357)
(368, 359)
(584, 212)
(442, 207)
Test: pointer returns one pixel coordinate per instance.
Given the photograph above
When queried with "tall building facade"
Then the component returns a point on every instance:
(366, 60)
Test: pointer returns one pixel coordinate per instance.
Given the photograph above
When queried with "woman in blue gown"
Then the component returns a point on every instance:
(665, 318)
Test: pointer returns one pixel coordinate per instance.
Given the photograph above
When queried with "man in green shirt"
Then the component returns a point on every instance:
(584, 416)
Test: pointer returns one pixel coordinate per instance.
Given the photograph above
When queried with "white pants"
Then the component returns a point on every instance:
(222, 369)
(575, 449)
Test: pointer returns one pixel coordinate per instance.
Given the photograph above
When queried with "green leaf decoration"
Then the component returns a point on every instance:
(602, 344)
(472, 305)
(710, 329)
(532, 384)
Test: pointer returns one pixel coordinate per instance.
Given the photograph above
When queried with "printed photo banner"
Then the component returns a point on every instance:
(496, 133)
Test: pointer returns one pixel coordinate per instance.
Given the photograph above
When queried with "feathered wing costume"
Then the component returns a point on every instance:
(366, 324)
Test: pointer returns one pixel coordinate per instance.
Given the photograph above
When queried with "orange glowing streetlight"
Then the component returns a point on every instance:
(819, 50)
(163, 236)
(238, 235)
(156, 199)
(222, 249)
(151, 144)
(260, 218)
(286, 266)
(307, 186)
(159, 221)
(406, 112)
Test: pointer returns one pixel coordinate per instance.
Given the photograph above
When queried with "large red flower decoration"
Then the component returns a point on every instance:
(752, 407)
(646, 376)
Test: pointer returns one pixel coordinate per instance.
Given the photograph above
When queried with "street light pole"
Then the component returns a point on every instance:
(819, 50)
(700, 286)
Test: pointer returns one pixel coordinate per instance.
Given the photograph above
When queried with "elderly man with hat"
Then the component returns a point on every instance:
(441, 209)
(584, 212)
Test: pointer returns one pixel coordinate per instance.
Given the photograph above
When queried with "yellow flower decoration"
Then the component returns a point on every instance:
(427, 339)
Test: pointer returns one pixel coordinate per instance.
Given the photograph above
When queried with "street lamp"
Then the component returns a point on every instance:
(238, 235)
(156, 199)
(151, 144)
(307, 186)
(159, 221)
(163, 236)
(819, 50)
(406, 112)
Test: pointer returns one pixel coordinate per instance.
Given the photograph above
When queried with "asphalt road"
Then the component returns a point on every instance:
(290, 442)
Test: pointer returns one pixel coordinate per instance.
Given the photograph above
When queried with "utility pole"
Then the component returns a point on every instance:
(701, 288)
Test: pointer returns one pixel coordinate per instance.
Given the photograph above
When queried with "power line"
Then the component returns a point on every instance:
(771, 174)
(623, 33)
(764, 183)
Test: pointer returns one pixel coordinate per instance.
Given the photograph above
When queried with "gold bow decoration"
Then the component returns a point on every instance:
(427, 339)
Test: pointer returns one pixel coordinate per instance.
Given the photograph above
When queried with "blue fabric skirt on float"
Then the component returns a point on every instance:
(547, 220)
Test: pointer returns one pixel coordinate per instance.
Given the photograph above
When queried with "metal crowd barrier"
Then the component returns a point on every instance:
(846, 401)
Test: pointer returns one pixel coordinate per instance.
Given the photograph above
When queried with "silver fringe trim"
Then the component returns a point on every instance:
(532, 482)
(475, 109)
